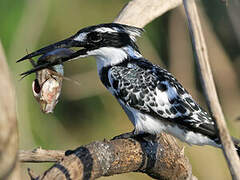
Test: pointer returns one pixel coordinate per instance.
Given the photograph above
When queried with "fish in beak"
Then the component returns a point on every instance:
(43, 63)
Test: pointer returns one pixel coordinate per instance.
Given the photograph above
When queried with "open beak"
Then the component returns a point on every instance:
(42, 64)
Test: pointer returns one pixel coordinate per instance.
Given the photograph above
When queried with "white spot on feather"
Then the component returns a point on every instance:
(171, 91)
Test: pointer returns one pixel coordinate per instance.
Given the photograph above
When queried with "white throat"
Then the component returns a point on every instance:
(109, 56)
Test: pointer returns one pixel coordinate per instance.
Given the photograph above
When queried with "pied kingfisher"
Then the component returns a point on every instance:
(152, 98)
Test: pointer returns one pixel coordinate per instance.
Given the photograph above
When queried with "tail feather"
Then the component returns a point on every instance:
(237, 145)
(237, 149)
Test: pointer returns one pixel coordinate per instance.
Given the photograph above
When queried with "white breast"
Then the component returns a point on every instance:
(109, 56)
(106, 56)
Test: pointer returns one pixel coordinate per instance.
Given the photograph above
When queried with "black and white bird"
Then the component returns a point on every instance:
(152, 98)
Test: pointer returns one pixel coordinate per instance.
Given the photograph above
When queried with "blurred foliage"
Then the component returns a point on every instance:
(9, 20)
(88, 112)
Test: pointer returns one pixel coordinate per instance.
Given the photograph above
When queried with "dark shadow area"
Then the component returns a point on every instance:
(86, 158)
(63, 170)
(149, 147)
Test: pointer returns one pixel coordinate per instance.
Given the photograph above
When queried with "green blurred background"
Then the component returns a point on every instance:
(87, 112)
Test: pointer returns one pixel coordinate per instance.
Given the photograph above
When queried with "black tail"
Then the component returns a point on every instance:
(237, 145)
(238, 149)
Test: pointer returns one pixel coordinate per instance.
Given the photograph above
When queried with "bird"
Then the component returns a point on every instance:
(153, 99)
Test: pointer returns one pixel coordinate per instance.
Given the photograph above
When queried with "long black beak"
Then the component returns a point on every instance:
(67, 43)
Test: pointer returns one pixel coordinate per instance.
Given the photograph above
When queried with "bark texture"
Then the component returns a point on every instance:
(160, 158)
(40, 155)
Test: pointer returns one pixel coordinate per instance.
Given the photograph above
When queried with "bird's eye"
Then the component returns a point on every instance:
(95, 37)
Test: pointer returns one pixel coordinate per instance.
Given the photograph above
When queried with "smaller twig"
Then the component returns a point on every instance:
(200, 49)
(40, 155)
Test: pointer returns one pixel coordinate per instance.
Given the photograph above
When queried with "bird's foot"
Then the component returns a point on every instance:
(69, 152)
(125, 136)
(145, 137)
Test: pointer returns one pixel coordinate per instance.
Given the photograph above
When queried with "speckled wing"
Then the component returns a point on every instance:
(154, 91)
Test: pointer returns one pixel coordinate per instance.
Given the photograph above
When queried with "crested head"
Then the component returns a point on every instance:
(110, 43)
(113, 29)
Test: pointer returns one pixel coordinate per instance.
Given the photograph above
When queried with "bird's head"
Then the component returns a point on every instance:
(103, 41)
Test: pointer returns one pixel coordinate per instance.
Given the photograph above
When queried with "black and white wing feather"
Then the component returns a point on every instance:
(151, 90)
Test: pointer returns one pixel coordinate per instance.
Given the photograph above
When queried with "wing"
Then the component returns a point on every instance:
(154, 91)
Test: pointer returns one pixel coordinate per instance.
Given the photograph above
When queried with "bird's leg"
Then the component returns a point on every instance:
(146, 137)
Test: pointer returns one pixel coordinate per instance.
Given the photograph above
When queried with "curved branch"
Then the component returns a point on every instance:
(160, 158)
(141, 12)
(8, 122)
(210, 92)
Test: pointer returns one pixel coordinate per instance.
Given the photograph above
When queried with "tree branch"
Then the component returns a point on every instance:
(202, 59)
(162, 159)
(8, 123)
(141, 12)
